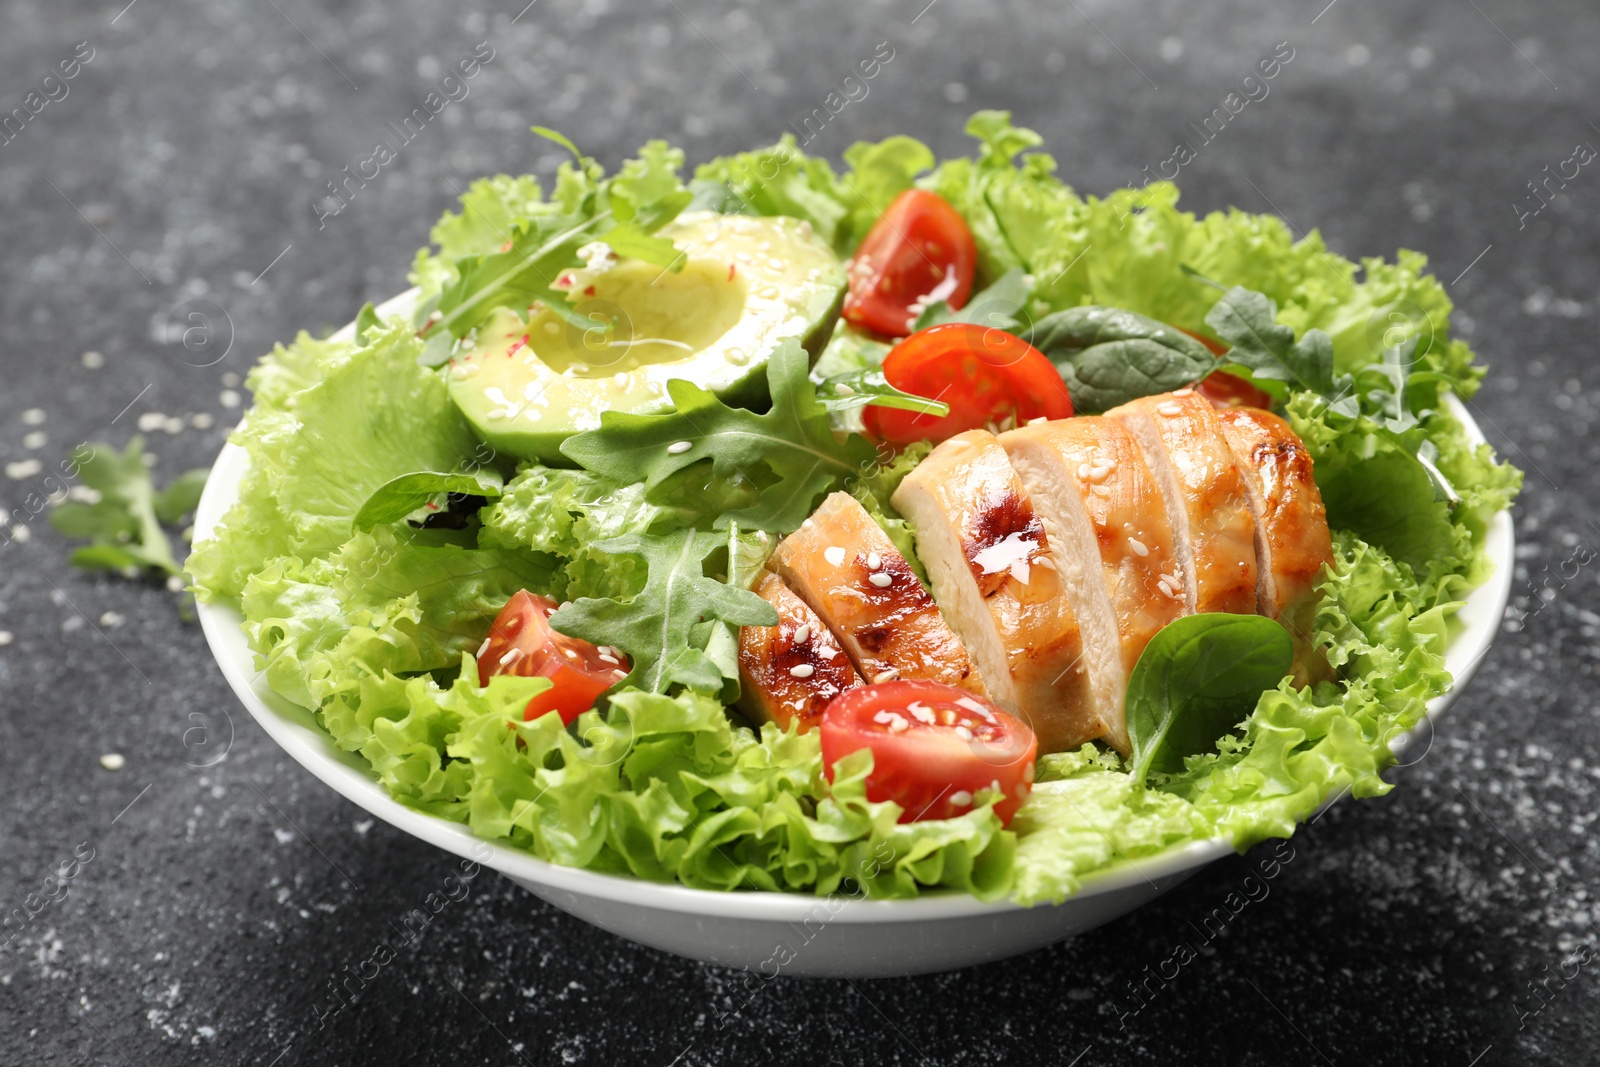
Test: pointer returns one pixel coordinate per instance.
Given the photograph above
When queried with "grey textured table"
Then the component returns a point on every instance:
(222, 900)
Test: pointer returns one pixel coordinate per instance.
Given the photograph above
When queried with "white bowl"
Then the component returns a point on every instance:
(772, 932)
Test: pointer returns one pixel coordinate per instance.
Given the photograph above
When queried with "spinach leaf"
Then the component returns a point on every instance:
(399, 497)
(997, 306)
(1109, 356)
(1247, 321)
(1197, 679)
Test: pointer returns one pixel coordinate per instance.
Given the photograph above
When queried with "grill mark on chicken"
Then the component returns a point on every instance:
(1004, 516)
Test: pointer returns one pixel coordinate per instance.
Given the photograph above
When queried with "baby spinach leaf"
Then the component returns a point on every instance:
(1108, 356)
(997, 306)
(657, 627)
(790, 452)
(1247, 321)
(399, 497)
(1197, 679)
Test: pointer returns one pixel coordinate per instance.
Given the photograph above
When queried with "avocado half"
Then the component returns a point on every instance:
(746, 285)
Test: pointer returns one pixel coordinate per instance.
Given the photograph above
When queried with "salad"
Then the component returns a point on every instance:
(908, 525)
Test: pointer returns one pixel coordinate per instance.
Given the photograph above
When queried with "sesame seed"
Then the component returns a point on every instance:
(20, 534)
(172, 425)
(110, 619)
(886, 676)
(620, 379)
(963, 733)
(833, 554)
(802, 635)
(1165, 588)
(113, 761)
(619, 674)
(678, 448)
(569, 653)
(1083, 472)
(151, 420)
(874, 561)
(175, 584)
(1185, 391)
(93, 360)
(229, 398)
(961, 798)
(1046, 562)
(1100, 490)
(1169, 409)
(1100, 473)
(881, 580)
(802, 670)
(23, 468)
(33, 417)
(1037, 420)
(844, 390)
(230, 379)
(36, 439)
(5, 637)
(1138, 547)
(607, 658)
(511, 657)
(201, 420)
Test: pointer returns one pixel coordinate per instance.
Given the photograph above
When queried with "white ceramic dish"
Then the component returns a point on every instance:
(778, 932)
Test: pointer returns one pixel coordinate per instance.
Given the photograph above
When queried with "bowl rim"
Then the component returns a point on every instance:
(314, 750)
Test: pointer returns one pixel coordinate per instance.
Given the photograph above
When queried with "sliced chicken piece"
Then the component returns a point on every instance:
(1292, 541)
(789, 672)
(1208, 503)
(842, 564)
(988, 558)
(1111, 542)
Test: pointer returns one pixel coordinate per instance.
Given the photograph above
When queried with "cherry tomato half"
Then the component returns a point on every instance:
(984, 374)
(918, 252)
(934, 747)
(521, 642)
(1228, 390)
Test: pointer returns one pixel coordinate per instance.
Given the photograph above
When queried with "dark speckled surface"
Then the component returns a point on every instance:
(220, 900)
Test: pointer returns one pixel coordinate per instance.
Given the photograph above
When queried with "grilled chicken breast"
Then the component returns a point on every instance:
(789, 672)
(988, 558)
(1208, 504)
(1292, 540)
(842, 564)
(1111, 541)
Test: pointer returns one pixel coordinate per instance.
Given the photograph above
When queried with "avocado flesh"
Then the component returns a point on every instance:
(746, 285)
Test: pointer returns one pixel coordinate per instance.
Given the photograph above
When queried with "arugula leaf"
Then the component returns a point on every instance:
(625, 211)
(1247, 321)
(399, 497)
(1109, 356)
(656, 627)
(124, 525)
(997, 306)
(794, 443)
(1198, 678)
(844, 395)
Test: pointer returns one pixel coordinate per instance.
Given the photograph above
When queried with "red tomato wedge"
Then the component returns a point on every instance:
(984, 374)
(934, 747)
(918, 252)
(1228, 390)
(521, 642)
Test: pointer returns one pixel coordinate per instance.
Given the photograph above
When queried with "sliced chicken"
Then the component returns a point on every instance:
(789, 672)
(1292, 541)
(988, 558)
(1111, 542)
(1208, 503)
(842, 564)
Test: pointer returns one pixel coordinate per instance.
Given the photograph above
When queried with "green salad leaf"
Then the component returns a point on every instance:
(790, 451)
(124, 525)
(1247, 321)
(655, 626)
(1108, 356)
(1198, 678)
(400, 496)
